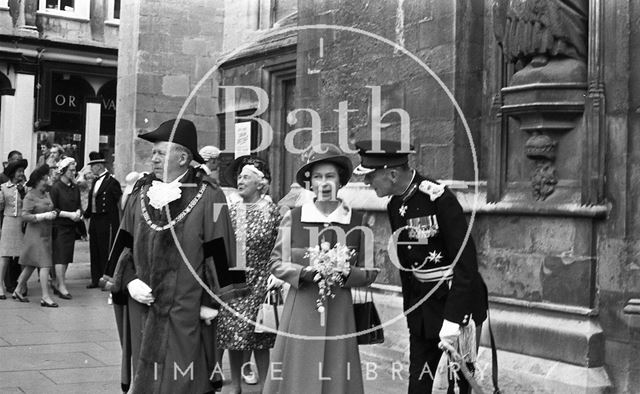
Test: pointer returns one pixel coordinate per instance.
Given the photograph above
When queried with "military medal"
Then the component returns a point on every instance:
(434, 257)
(407, 195)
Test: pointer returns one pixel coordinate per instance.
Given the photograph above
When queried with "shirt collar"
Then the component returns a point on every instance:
(311, 214)
(413, 177)
(103, 174)
(177, 180)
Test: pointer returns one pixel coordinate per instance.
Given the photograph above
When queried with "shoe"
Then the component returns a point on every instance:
(250, 378)
(3, 297)
(92, 286)
(55, 290)
(64, 296)
(48, 305)
(19, 297)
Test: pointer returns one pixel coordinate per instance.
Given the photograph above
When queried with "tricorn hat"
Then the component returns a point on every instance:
(185, 135)
(231, 173)
(325, 153)
(12, 167)
(96, 158)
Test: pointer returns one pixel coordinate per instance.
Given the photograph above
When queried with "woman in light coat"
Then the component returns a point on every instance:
(320, 365)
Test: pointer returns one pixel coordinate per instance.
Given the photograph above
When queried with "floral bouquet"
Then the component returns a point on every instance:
(331, 266)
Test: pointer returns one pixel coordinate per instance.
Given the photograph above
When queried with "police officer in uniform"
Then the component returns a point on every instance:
(430, 227)
(103, 210)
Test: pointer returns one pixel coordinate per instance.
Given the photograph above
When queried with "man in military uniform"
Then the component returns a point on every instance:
(103, 211)
(430, 227)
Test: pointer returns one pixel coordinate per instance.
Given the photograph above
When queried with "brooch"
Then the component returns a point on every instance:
(402, 210)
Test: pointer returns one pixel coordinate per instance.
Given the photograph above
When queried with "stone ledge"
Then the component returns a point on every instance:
(577, 340)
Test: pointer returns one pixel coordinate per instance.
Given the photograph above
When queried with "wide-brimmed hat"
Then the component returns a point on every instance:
(185, 135)
(96, 158)
(37, 175)
(231, 173)
(325, 153)
(12, 167)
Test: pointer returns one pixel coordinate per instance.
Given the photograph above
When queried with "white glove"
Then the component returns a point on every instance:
(274, 283)
(208, 314)
(449, 332)
(76, 216)
(45, 216)
(140, 292)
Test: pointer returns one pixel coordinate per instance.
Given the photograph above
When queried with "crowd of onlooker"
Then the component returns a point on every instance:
(42, 215)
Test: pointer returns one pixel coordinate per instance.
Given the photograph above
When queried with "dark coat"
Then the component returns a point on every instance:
(466, 295)
(169, 334)
(107, 199)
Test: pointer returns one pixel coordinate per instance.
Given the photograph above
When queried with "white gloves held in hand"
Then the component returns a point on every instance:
(208, 314)
(46, 216)
(140, 292)
(449, 332)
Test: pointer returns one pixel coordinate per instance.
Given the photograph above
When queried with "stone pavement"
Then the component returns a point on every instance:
(75, 348)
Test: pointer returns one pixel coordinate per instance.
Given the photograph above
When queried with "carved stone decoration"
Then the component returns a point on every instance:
(532, 32)
(542, 149)
(545, 43)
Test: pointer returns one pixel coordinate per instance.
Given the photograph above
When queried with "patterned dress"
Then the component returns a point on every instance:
(261, 228)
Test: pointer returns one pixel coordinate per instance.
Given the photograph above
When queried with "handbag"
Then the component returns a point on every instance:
(366, 317)
(268, 318)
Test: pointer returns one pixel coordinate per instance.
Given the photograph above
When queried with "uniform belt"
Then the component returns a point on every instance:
(434, 274)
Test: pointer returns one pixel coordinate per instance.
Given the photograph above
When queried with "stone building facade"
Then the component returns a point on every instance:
(550, 103)
(58, 68)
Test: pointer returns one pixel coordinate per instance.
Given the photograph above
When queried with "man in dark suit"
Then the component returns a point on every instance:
(430, 227)
(103, 210)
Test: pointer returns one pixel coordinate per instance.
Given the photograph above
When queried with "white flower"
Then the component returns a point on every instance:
(161, 194)
(325, 246)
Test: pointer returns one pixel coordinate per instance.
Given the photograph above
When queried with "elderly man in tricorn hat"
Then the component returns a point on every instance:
(430, 227)
(172, 341)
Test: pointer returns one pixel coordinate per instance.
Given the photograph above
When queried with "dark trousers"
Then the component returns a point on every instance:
(424, 356)
(102, 233)
(12, 274)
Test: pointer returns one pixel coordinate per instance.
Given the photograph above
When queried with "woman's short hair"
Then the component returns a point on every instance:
(37, 175)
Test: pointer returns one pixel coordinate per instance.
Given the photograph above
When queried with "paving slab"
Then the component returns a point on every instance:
(84, 375)
(23, 380)
(39, 362)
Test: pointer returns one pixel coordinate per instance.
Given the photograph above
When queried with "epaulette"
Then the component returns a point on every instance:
(434, 190)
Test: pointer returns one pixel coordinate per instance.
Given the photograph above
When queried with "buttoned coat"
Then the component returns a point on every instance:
(460, 299)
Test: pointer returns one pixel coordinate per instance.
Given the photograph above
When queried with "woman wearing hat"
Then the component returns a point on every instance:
(318, 366)
(38, 213)
(65, 196)
(255, 220)
(11, 194)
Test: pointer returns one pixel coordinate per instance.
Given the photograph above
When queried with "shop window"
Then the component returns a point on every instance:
(113, 12)
(65, 8)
